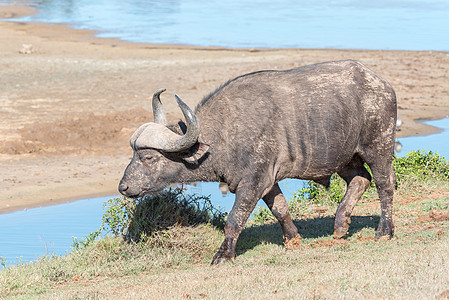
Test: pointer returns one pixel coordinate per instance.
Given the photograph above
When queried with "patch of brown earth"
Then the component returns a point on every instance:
(439, 215)
(440, 233)
(294, 243)
(85, 133)
(361, 238)
(326, 243)
(321, 209)
(444, 295)
(407, 199)
(435, 215)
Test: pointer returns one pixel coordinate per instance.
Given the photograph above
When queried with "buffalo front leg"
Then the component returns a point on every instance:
(245, 202)
(358, 180)
(276, 202)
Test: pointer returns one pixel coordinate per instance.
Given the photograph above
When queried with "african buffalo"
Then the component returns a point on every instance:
(259, 128)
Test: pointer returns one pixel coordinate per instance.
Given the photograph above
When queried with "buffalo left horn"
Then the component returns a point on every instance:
(158, 109)
(158, 136)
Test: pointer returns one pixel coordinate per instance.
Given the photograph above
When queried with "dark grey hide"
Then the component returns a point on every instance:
(260, 128)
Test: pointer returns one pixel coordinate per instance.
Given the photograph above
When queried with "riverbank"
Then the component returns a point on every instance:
(70, 101)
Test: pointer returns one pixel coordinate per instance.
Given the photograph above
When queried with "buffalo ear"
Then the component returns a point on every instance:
(196, 152)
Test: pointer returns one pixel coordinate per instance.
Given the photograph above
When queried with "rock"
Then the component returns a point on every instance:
(27, 49)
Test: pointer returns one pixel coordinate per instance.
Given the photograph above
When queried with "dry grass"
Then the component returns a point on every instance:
(414, 264)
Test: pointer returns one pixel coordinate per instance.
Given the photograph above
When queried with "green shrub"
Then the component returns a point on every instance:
(420, 166)
(86, 240)
(262, 215)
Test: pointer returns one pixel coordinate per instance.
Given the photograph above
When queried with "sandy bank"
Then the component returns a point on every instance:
(69, 101)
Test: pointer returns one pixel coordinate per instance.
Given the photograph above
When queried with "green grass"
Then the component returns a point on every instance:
(170, 260)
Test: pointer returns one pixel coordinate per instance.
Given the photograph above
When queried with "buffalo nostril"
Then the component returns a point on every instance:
(122, 188)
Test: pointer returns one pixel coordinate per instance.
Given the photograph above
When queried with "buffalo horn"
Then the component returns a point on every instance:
(158, 109)
(158, 136)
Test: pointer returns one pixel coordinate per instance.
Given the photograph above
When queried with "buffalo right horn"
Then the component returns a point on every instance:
(158, 109)
(158, 136)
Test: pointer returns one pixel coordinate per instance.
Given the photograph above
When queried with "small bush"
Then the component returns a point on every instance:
(139, 219)
(420, 166)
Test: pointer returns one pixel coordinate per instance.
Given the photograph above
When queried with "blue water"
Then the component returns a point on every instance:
(435, 142)
(29, 234)
(224, 201)
(343, 24)
(32, 233)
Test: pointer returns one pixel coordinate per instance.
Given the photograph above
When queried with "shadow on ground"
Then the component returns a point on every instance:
(320, 227)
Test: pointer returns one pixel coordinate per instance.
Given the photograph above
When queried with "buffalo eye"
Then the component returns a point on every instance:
(148, 161)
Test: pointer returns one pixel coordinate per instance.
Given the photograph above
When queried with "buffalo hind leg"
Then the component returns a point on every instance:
(245, 202)
(358, 180)
(276, 202)
(385, 179)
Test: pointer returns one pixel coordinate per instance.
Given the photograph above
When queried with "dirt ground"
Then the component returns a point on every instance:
(69, 101)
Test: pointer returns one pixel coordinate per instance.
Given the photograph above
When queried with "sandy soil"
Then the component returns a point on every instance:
(70, 101)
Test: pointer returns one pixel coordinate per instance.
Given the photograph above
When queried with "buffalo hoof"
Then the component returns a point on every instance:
(385, 230)
(341, 230)
(221, 258)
